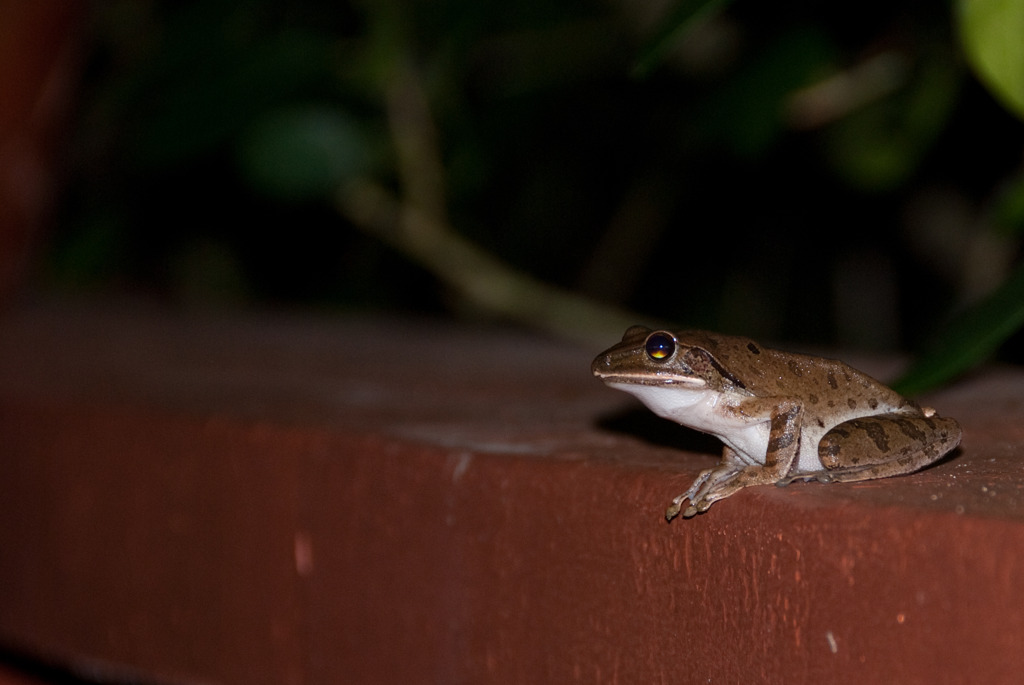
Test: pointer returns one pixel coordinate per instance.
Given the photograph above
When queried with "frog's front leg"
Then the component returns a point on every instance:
(736, 471)
(885, 445)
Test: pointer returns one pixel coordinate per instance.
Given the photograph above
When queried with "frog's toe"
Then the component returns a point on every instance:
(805, 477)
(677, 505)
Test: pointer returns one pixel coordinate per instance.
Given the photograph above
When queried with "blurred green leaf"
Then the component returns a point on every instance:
(970, 339)
(880, 146)
(303, 153)
(672, 28)
(992, 34)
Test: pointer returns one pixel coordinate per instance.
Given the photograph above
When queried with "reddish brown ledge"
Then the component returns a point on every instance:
(275, 499)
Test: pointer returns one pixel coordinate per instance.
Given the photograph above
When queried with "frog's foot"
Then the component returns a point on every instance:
(677, 504)
(820, 476)
(717, 484)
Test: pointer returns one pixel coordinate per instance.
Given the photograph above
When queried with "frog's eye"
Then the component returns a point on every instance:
(660, 346)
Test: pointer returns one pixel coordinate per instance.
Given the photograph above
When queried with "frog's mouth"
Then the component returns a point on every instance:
(624, 378)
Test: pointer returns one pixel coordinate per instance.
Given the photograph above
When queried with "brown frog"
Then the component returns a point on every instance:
(781, 416)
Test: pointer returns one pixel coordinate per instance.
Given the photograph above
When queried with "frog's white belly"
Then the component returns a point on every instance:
(700, 409)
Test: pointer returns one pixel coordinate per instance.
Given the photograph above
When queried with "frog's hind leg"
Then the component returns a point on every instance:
(884, 445)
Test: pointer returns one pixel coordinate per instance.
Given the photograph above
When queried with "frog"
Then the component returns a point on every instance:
(781, 416)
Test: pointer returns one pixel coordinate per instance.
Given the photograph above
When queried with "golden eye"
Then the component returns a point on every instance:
(660, 346)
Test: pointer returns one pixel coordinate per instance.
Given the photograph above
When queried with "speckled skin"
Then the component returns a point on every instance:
(781, 416)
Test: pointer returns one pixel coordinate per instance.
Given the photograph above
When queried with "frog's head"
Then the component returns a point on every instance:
(663, 358)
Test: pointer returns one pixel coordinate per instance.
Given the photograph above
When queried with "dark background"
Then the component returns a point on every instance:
(210, 138)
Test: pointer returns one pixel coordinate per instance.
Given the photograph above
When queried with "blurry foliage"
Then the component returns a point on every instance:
(782, 170)
(992, 33)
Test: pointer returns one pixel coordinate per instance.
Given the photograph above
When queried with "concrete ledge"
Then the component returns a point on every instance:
(276, 499)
